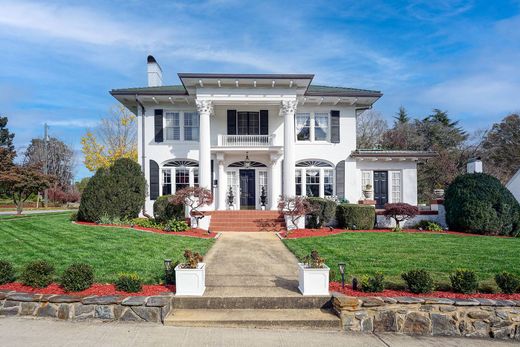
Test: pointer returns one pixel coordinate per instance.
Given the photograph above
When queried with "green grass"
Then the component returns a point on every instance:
(109, 250)
(395, 253)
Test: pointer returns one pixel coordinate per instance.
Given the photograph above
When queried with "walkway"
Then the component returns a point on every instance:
(16, 332)
(251, 264)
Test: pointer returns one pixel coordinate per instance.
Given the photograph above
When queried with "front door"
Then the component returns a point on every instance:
(247, 190)
(380, 188)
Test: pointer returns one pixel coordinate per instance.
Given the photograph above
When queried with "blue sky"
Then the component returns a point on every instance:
(59, 59)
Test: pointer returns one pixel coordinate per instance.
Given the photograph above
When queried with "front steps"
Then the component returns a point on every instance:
(247, 221)
(254, 312)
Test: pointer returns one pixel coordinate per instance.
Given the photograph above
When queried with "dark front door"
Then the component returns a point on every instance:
(380, 188)
(247, 190)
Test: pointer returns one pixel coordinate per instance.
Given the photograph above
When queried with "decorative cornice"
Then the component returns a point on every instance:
(204, 106)
(288, 106)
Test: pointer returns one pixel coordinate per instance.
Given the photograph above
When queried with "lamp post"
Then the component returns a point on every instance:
(167, 264)
(342, 272)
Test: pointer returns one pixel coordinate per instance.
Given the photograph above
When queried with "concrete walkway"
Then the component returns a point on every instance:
(16, 332)
(251, 264)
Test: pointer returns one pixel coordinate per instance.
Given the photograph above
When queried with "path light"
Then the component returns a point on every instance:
(167, 264)
(342, 272)
(354, 283)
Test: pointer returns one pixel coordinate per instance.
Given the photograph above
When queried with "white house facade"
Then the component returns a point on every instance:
(259, 136)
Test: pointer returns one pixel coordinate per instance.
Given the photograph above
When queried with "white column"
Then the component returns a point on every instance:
(205, 109)
(287, 110)
(275, 182)
(304, 181)
(222, 186)
(322, 183)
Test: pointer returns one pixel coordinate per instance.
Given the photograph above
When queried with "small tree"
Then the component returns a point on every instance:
(194, 198)
(20, 182)
(400, 212)
(295, 207)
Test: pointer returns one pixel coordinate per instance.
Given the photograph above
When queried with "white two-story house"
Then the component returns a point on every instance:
(261, 134)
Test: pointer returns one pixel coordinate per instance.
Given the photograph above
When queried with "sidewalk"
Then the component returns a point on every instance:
(16, 332)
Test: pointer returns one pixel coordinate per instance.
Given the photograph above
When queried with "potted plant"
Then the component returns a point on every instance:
(194, 198)
(368, 192)
(313, 275)
(294, 210)
(230, 198)
(263, 198)
(190, 276)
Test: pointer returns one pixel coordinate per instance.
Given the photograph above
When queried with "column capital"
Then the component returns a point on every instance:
(204, 106)
(288, 107)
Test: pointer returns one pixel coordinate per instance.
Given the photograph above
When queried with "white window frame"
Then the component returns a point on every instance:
(396, 191)
(173, 177)
(312, 127)
(321, 174)
(303, 114)
(182, 137)
(167, 114)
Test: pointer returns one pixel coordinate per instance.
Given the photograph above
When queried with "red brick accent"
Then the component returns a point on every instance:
(247, 220)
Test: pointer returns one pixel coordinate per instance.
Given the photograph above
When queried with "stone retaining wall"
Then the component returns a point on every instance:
(66, 307)
(430, 316)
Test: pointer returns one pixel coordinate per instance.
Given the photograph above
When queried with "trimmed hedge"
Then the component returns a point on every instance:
(116, 192)
(464, 281)
(479, 203)
(418, 281)
(163, 210)
(129, 283)
(325, 212)
(77, 277)
(507, 282)
(355, 217)
(6, 272)
(38, 274)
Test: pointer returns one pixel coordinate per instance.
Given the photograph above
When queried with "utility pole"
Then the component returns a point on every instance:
(46, 159)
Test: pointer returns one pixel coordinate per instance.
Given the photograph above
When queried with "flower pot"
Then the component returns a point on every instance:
(262, 208)
(368, 194)
(190, 281)
(313, 281)
(439, 193)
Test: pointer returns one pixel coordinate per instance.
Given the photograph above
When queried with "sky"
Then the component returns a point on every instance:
(59, 59)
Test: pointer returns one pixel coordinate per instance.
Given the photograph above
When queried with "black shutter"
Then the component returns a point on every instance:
(264, 122)
(334, 127)
(231, 122)
(154, 180)
(340, 180)
(158, 121)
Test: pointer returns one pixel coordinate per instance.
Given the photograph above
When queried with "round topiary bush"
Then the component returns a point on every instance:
(418, 281)
(77, 277)
(116, 192)
(129, 283)
(163, 210)
(6, 272)
(479, 203)
(325, 211)
(38, 274)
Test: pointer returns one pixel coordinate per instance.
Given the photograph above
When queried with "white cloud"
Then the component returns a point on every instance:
(74, 123)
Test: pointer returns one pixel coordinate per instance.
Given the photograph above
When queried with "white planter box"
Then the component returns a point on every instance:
(300, 222)
(190, 281)
(313, 281)
(203, 222)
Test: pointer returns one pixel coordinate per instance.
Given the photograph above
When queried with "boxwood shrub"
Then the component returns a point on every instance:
(38, 274)
(464, 281)
(77, 277)
(479, 203)
(418, 281)
(163, 210)
(324, 213)
(507, 282)
(356, 217)
(129, 282)
(7, 274)
(373, 284)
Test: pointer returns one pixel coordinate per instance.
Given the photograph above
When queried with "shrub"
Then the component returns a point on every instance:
(400, 212)
(117, 192)
(6, 272)
(73, 216)
(479, 203)
(464, 281)
(507, 282)
(146, 223)
(192, 259)
(428, 226)
(324, 212)
(314, 260)
(295, 207)
(129, 282)
(356, 217)
(418, 281)
(373, 284)
(164, 210)
(77, 277)
(38, 274)
(176, 225)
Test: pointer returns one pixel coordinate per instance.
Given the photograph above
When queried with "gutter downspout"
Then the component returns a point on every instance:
(143, 155)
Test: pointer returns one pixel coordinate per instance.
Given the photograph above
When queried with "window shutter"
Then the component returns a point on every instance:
(154, 180)
(340, 180)
(158, 121)
(334, 127)
(231, 122)
(264, 122)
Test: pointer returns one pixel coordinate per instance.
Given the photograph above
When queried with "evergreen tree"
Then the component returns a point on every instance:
(401, 117)
(7, 151)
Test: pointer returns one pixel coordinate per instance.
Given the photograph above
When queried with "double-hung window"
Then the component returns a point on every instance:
(328, 182)
(172, 129)
(182, 178)
(321, 126)
(167, 182)
(313, 182)
(191, 126)
(396, 186)
(298, 180)
(303, 126)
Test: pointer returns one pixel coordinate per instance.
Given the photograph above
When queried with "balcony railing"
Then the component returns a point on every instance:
(245, 140)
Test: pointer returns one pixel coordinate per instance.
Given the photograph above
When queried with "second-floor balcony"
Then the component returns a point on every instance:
(245, 140)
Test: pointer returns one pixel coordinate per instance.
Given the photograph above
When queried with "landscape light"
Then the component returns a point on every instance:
(167, 264)
(342, 272)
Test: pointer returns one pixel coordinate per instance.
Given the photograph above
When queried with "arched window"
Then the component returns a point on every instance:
(178, 174)
(251, 164)
(314, 178)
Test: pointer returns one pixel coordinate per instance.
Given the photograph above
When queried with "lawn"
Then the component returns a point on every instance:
(395, 253)
(109, 250)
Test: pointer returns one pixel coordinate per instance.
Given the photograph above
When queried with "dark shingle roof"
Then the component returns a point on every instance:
(381, 153)
(177, 89)
(340, 91)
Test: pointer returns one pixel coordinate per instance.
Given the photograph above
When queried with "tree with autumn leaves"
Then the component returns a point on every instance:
(114, 138)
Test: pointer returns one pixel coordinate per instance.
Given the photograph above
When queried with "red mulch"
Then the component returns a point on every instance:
(96, 289)
(300, 233)
(199, 233)
(336, 287)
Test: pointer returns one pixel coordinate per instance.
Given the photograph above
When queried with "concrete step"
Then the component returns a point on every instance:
(248, 302)
(251, 318)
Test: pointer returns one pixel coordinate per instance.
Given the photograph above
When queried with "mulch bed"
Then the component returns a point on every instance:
(300, 233)
(199, 233)
(336, 287)
(96, 289)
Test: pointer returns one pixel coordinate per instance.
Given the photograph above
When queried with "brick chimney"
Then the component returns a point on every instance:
(154, 72)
